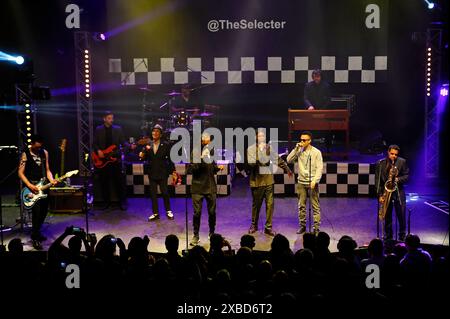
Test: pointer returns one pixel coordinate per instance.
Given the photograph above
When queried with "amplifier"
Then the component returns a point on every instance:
(67, 199)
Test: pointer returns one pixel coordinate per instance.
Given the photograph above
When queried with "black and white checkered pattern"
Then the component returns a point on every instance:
(138, 182)
(338, 179)
(243, 70)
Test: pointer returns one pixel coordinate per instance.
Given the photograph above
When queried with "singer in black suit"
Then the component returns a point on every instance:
(160, 166)
(203, 187)
(398, 198)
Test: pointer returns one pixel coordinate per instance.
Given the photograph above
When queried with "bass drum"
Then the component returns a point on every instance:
(181, 119)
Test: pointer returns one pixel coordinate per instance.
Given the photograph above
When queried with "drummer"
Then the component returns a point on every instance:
(186, 102)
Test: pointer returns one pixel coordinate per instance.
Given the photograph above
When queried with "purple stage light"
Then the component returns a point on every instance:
(444, 91)
(102, 36)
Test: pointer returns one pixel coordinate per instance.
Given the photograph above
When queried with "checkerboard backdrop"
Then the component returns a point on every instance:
(338, 179)
(138, 182)
(224, 70)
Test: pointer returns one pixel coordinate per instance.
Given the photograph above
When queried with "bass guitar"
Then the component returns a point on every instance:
(111, 155)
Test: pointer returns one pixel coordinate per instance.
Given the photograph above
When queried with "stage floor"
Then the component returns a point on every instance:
(340, 216)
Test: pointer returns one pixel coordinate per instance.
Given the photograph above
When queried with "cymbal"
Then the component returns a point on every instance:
(193, 110)
(206, 114)
(173, 93)
(146, 89)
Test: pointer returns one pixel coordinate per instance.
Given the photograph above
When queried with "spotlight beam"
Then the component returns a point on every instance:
(11, 58)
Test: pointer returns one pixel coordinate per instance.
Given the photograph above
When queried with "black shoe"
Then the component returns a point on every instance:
(269, 231)
(37, 245)
(301, 230)
(253, 229)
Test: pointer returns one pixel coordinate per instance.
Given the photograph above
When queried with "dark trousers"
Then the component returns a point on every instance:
(111, 174)
(197, 201)
(400, 211)
(259, 194)
(154, 194)
(38, 215)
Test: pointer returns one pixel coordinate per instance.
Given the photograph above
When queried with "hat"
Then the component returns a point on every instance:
(157, 127)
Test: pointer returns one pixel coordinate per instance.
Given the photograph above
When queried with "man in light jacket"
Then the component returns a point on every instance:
(310, 166)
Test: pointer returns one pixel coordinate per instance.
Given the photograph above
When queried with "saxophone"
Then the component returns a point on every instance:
(390, 186)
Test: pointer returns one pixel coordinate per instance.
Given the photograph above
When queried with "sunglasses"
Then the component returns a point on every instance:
(305, 140)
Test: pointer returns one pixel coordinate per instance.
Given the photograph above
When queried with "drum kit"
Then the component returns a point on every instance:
(159, 109)
(163, 109)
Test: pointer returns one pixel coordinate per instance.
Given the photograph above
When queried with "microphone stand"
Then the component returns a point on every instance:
(187, 171)
(85, 208)
(310, 191)
(186, 209)
(376, 196)
(2, 246)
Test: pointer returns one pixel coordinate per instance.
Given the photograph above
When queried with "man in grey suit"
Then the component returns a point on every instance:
(261, 159)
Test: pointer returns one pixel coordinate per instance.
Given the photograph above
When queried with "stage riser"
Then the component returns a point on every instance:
(138, 181)
(338, 179)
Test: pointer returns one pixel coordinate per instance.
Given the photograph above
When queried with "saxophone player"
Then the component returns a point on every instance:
(391, 175)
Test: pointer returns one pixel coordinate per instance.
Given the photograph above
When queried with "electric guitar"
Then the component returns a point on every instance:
(62, 148)
(111, 156)
(29, 199)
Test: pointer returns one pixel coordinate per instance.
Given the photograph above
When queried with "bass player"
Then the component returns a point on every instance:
(110, 137)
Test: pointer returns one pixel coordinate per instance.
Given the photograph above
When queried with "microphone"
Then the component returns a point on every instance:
(206, 152)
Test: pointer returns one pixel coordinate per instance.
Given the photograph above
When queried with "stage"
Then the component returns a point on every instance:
(340, 216)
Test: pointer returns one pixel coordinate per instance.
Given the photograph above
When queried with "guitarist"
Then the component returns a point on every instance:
(33, 167)
(106, 135)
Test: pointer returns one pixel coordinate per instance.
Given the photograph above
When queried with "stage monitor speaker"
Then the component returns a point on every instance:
(67, 199)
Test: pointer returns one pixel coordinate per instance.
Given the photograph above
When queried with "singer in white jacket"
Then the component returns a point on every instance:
(310, 167)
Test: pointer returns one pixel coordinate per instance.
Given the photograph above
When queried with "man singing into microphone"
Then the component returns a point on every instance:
(160, 166)
(203, 186)
(310, 166)
(261, 158)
